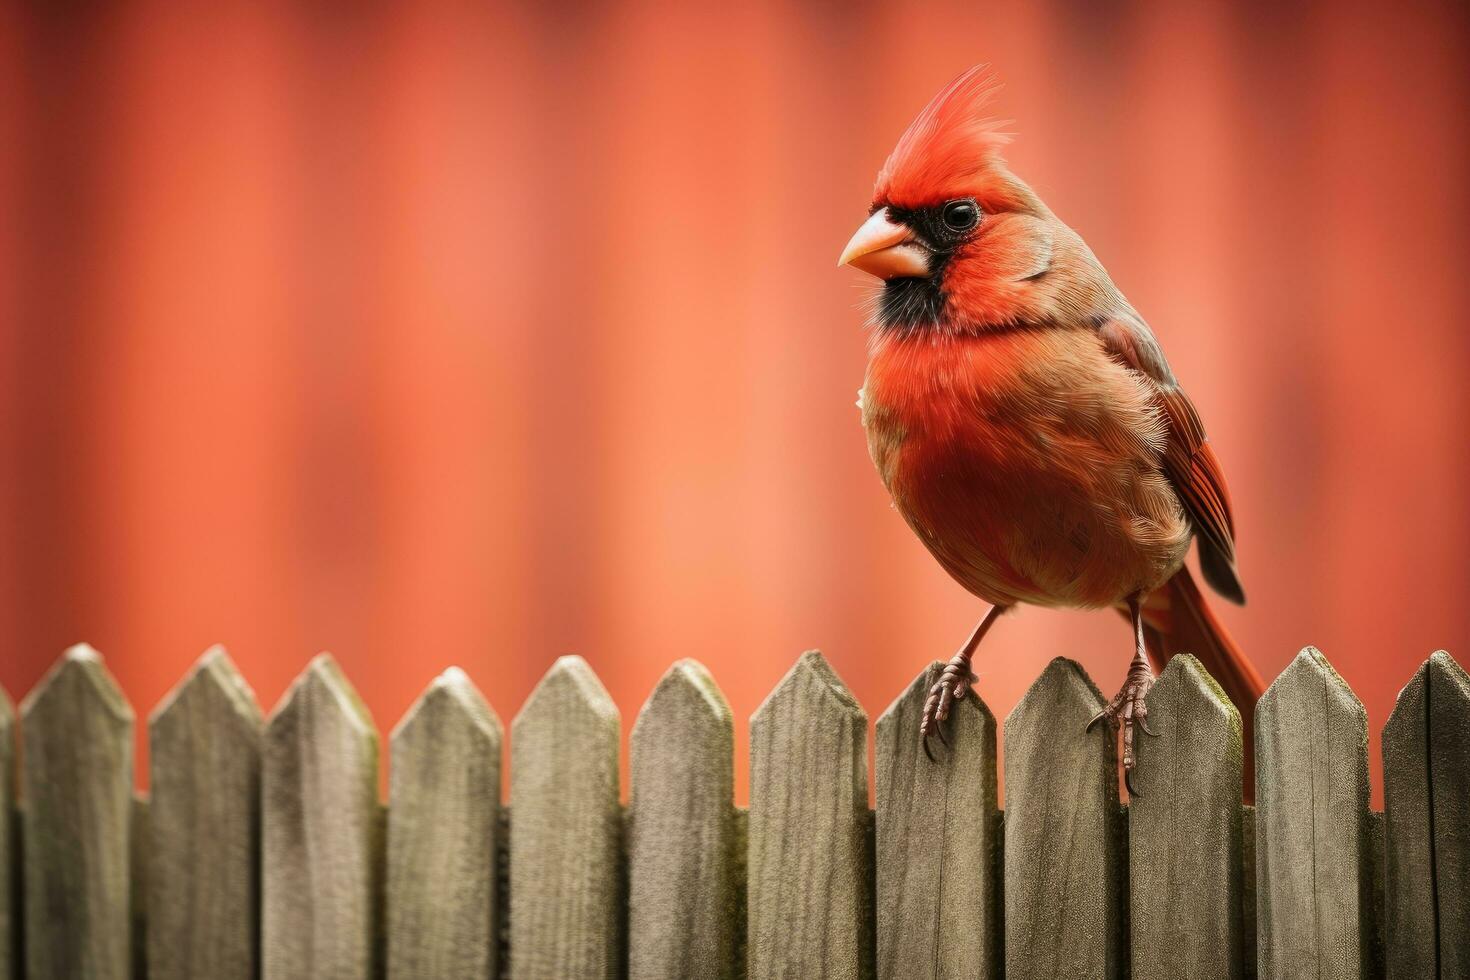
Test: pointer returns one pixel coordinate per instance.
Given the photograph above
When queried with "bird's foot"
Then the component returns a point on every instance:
(1128, 709)
(952, 685)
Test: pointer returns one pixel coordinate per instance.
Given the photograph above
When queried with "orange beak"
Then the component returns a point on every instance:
(886, 249)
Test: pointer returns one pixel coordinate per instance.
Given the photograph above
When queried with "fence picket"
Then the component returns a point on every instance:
(809, 872)
(203, 894)
(1184, 832)
(321, 832)
(566, 830)
(9, 877)
(1313, 882)
(77, 782)
(443, 815)
(938, 843)
(1065, 898)
(1426, 777)
(682, 900)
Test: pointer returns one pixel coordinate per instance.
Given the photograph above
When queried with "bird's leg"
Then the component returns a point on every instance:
(1128, 706)
(952, 684)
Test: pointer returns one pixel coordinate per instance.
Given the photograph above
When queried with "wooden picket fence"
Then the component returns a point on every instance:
(264, 850)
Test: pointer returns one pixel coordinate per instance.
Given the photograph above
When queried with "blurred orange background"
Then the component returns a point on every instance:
(477, 334)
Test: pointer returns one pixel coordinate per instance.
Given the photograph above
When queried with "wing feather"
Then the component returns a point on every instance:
(1189, 461)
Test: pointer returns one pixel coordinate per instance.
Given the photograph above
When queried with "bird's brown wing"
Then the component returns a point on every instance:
(1189, 462)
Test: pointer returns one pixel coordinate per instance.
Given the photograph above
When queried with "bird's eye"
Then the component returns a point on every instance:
(960, 215)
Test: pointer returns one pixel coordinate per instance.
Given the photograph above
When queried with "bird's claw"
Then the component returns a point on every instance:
(1128, 710)
(953, 682)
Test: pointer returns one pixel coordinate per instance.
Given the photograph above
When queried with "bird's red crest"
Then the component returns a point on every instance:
(948, 147)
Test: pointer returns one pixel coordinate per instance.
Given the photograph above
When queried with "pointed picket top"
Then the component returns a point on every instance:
(1312, 828)
(1441, 673)
(444, 834)
(1064, 852)
(1185, 677)
(324, 678)
(808, 877)
(681, 830)
(86, 664)
(77, 782)
(213, 673)
(686, 688)
(1062, 692)
(938, 841)
(321, 830)
(811, 672)
(1310, 670)
(569, 676)
(685, 696)
(202, 832)
(1185, 829)
(1450, 683)
(565, 849)
(453, 691)
(1426, 777)
(1194, 724)
(1445, 667)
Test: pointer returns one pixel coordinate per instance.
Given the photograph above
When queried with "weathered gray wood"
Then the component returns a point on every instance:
(1184, 832)
(1426, 776)
(443, 816)
(1313, 889)
(321, 832)
(938, 843)
(1064, 890)
(204, 827)
(681, 885)
(77, 782)
(1248, 880)
(9, 874)
(1374, 955)
(809, 906)
(566, 830)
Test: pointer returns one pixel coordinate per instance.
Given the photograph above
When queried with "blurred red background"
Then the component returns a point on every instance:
(469, 334)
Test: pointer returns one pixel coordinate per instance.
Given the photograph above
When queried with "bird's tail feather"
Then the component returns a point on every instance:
(1178, 620)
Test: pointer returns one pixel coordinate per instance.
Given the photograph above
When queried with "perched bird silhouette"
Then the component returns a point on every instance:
(1024, 419)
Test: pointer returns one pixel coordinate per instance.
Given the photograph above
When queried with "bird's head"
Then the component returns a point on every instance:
(959, 240)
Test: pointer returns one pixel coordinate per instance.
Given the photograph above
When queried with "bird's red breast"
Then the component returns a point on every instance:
(1027, 460)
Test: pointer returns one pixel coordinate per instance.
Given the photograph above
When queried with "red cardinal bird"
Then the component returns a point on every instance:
(1024, 419)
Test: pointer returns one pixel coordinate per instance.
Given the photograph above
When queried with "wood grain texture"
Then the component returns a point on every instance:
(1064, 862)
(1313, 887)
(77, 783)
(1184, 832)
(938, 843)
(809, 874)
(443, 820)
(1248, 880)
(321, 832)
(9, 872)
(682, 902)
(1374, 953)
(566, 911)
(203, 894)
(1426, 775)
